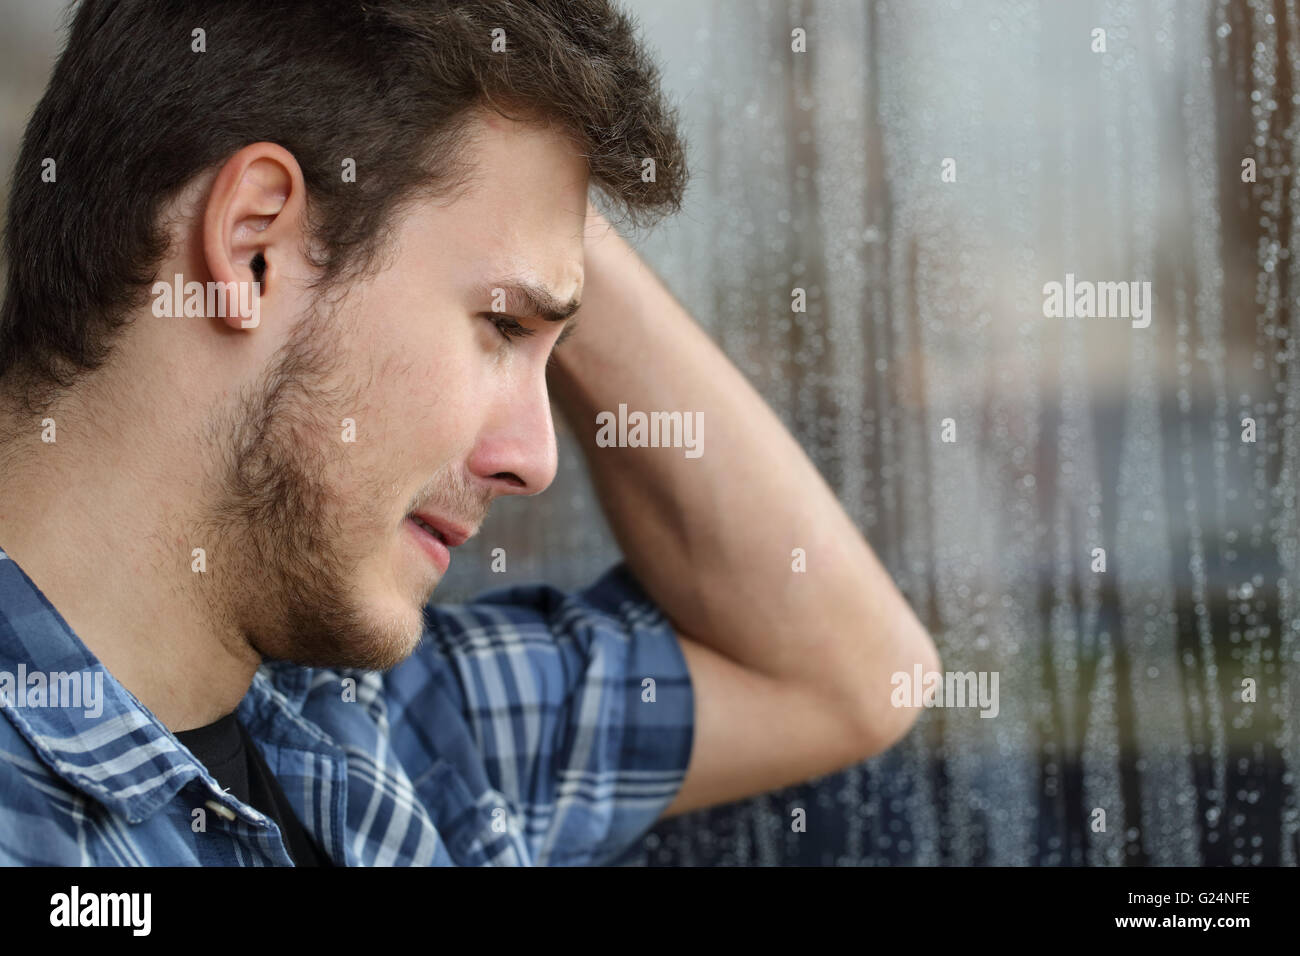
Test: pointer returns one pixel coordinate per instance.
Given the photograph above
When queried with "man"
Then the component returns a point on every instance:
(222, 523)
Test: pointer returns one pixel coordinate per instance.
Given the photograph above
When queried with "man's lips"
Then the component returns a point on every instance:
(451, 533)
(437, 536)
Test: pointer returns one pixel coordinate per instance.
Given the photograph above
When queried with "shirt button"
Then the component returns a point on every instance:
(220, 809)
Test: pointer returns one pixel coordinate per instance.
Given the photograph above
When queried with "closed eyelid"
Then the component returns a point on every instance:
(509, 325)
(569, 329)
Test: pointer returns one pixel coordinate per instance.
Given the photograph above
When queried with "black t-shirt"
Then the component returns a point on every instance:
(231, 755)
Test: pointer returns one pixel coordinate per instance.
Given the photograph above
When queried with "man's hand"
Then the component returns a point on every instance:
(791, 670)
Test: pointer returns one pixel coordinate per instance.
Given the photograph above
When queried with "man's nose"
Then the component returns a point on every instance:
(515, 453)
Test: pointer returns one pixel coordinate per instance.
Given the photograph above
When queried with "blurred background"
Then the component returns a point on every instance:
(1120, 690)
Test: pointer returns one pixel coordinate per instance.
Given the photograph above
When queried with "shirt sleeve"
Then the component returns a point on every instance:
(579, 706)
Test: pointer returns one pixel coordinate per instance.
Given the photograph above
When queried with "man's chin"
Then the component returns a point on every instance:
(388, 643)
(385, 630)
(365, 641)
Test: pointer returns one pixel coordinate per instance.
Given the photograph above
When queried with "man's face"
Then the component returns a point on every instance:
(402, 396)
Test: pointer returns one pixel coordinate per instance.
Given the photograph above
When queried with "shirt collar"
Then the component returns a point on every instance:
(116, 751)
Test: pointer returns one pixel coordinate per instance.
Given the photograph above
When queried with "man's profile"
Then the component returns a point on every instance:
(234, 519)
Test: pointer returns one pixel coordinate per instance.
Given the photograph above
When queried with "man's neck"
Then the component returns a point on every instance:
(98, 519)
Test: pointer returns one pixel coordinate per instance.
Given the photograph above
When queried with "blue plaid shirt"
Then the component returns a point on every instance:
(523, 730)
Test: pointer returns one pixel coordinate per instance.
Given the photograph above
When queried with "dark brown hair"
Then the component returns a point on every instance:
(133, 113)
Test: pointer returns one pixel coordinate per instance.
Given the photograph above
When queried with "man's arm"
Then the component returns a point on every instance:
(791, 670)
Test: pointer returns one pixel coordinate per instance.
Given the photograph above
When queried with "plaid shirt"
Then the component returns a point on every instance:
(518, 733)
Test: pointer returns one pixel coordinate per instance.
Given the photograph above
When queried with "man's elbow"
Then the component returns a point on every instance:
(892, 709)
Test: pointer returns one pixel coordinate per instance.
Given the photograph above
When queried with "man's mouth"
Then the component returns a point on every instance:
(433, 543)
(437, 537)
(429, 528)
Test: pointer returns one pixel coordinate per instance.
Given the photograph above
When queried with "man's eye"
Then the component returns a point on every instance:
(509, 326)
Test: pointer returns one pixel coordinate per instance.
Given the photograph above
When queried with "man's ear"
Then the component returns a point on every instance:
(252, 225)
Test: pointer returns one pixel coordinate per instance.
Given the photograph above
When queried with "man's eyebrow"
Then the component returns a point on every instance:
(529, 300)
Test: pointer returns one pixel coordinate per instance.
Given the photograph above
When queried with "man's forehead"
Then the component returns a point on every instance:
(518, 224)
(507, 160)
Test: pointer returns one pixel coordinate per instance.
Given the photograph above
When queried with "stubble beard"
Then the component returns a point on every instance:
(285, 576)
